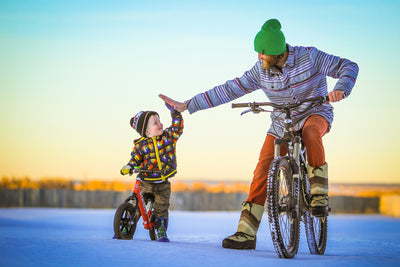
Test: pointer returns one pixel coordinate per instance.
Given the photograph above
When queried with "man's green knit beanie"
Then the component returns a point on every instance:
(270, 40)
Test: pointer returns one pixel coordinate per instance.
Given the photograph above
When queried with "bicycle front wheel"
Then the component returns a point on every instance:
(284, 221)
(125, 220)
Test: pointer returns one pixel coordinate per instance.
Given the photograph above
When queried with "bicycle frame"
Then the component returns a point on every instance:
(146, 213)
(286, 210)
(293, 142)
(129, 212)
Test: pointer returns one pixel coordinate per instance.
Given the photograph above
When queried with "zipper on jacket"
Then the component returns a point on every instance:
(157, 156)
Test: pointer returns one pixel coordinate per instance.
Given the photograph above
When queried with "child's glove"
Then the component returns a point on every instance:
(171, 108)
(174, 112)
(126, 169)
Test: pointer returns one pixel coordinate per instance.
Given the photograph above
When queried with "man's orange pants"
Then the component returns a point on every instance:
(313, 130)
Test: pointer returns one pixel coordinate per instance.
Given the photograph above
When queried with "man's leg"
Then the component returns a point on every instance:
(258, 186)
(315, 127)
(253, 208)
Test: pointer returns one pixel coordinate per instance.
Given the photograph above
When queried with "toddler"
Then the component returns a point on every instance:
(155, 150)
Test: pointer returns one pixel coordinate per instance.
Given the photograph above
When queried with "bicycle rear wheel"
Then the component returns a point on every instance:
(284, 222)
(316, 227)
(316, 233)
(125, 221)
(152, 219)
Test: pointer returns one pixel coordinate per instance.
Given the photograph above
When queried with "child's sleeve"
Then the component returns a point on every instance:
(134, 162)
(176, 128)
(136, 157)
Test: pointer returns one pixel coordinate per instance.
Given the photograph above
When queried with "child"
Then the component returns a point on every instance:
(155, 150)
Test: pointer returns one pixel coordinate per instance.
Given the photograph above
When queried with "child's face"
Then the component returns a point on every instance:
(154, 126)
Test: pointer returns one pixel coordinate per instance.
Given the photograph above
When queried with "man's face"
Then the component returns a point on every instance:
(268, 61)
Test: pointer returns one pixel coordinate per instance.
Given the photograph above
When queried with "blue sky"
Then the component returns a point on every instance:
(72, 73)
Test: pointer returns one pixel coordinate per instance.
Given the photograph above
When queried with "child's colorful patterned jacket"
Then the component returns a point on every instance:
(158, 153)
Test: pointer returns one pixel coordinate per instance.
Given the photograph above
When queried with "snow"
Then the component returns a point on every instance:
(83, 237)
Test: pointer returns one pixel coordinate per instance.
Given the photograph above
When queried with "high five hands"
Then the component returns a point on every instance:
(178, 106)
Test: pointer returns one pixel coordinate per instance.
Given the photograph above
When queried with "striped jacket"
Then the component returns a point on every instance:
(303, 76)
(158, 153)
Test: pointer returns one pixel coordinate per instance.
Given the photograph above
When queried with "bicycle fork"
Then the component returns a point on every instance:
(296, 150)
(296, 175)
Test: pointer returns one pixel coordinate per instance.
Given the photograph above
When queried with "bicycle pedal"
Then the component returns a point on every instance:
(320, 211)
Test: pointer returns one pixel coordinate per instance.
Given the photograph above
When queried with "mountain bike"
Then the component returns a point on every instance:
(288, 192)
(135, 206)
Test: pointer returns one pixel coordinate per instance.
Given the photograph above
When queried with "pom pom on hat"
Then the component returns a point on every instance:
(270, 40)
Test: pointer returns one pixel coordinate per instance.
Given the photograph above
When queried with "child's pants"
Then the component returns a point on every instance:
(314, 128)
(162, 193)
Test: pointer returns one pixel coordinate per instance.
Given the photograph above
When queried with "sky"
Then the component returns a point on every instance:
(83, 237)
(73, 73)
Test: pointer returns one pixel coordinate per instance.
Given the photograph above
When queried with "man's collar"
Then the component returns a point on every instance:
(290, 59)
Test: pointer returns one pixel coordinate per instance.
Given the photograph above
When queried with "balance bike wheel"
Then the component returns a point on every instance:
(125, 221)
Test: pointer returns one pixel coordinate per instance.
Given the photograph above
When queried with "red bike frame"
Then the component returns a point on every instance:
(146, 214)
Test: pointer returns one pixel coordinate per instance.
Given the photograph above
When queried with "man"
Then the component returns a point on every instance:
(285, 74)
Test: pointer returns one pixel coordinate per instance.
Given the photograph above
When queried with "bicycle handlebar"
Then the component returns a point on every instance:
(146, 171)
(319, 99)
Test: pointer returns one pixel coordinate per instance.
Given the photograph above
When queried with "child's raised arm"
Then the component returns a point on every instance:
(176, 128)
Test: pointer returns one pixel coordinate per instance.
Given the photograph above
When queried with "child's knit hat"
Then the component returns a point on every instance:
(270, 40)
(140, 120)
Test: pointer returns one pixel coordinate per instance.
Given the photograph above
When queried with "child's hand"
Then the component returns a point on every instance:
(178, 106)
(126, 169)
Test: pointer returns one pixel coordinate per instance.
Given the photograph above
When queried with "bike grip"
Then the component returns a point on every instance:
(241, 105)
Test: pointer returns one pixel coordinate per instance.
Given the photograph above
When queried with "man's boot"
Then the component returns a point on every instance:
(245, 237)
(318, 177)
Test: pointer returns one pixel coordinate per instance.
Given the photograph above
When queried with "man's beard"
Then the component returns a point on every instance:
(269, 64)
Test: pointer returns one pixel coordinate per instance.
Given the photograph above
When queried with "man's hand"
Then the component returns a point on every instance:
(336, 96)
(178, 106)
(126, 169)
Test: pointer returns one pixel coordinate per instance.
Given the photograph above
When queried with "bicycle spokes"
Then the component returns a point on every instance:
(125, 221)
(284, 225)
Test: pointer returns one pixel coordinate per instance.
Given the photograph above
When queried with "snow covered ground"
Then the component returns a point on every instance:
(83, 237)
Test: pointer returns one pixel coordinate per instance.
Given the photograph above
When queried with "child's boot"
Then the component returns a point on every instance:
(245, 237)
(318, 178)
(161, 229)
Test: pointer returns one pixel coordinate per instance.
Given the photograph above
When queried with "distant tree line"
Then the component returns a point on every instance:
(193, 201)
(117, 185)
(192, 196)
